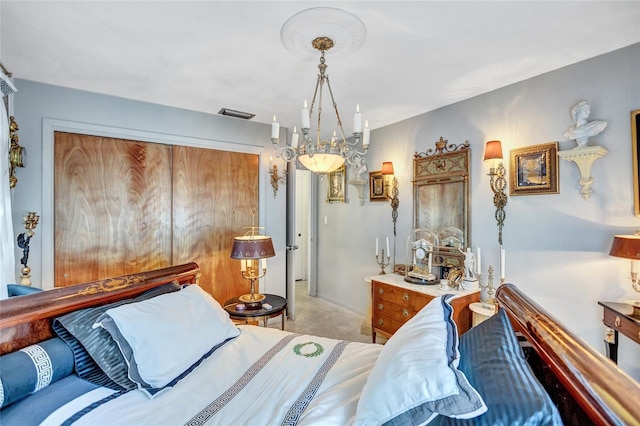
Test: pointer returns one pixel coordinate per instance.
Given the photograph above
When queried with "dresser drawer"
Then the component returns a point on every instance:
(622, 324)
(403, 297)
(393, 310)
(385, 324)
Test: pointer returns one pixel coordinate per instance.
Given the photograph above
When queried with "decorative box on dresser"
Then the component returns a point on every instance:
(395, 301)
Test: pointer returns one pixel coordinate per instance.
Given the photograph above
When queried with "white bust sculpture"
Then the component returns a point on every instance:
(361, 169)
(582, 130)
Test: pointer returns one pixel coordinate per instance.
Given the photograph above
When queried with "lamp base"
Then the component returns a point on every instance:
(252, 301)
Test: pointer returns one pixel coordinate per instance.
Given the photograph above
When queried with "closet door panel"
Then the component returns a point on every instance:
(214, 192)
(112, 207)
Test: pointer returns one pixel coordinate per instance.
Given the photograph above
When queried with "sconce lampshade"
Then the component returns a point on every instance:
(627, 246)
(387, 168)
(252, 247)
(493, 150)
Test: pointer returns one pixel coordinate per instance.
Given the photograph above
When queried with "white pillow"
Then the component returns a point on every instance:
(416, 377)
(163, 337)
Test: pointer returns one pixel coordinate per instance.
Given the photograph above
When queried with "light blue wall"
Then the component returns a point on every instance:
(36, 103)
(556, 245)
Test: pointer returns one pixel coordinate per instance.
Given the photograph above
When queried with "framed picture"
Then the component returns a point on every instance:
(635, 149)
(337, 185)
(376, 187)
(534, 170)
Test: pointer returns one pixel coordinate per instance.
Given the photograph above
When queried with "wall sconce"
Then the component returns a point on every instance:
(387, 172)
(30, 223)
(276, 178)
(17, 153)
(628, 247)
(493, 151)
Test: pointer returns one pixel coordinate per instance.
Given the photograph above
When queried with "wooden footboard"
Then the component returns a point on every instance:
(587, 387)
(26, 320)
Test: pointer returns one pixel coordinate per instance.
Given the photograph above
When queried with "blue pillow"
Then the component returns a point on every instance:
(97, 356)
(33, 368)
(492, 360)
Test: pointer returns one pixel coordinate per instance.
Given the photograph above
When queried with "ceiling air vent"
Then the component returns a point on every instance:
(236, 114)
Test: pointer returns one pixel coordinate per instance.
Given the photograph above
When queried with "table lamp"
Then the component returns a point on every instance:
(252, 250)
(628, 247)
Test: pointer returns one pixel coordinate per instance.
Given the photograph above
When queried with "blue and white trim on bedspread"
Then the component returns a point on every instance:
(283, 378)
(300, 404)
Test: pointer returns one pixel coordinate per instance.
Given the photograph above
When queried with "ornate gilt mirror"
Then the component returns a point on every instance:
(441, 208)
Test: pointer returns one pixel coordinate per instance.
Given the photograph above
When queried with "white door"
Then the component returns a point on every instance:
(301, 255)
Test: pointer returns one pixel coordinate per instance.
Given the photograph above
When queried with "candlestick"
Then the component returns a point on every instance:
(388, 251)
(479, 264)
(502, 264)
(376, 246)
(381, 261)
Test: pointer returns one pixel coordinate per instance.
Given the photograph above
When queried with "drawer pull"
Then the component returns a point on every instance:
(380, 306)
(617, 322)
(380, 322)
(380, 291)
(405, 313)
(405, 296)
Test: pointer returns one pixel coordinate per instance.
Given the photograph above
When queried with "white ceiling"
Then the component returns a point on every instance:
(205, 55)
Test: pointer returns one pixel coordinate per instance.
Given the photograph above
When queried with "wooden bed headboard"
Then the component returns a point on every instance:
(26, 320)
(587, 387)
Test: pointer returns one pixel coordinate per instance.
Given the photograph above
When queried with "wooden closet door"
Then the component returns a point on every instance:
(214, 192)
(112, 207)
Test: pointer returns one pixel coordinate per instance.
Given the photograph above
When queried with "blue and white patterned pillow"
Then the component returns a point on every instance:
(33, 368)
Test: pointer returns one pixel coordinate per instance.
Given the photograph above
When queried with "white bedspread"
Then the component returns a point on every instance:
(260, 378)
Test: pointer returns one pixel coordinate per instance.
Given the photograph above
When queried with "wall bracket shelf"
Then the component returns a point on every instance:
(584, 156)
(359, 184)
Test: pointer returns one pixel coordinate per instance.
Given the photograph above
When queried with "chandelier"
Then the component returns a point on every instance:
(315, 151)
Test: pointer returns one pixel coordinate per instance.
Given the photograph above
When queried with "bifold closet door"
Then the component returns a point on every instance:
(214, 192)
(113, 207)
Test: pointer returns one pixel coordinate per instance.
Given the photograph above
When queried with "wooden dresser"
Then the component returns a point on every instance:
(395, 301)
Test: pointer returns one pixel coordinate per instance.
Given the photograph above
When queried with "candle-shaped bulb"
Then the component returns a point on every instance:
(376, 246)
(275, 128)
(502, 264)
(478, 262)
(357, 120)
(388, 252)
(263, 264)
(243, 265)
(294, 139)
(304, 116)
(366, 135)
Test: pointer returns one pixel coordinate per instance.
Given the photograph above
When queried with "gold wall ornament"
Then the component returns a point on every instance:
(17, 153)
(277, 178)
(498, 183)
(30, 223)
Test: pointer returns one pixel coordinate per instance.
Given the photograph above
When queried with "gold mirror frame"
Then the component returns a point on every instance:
(441, 196)
(635, 148)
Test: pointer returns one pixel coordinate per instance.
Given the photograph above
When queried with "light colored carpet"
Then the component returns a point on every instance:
(322, 318)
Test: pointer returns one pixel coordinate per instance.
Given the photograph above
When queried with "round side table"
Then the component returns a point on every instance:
(278, 306)
(481, 312)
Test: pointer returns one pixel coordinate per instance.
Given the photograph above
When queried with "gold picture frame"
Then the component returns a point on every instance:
(376, 187)
(337, 187)
(635, 149)
(534, 170)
